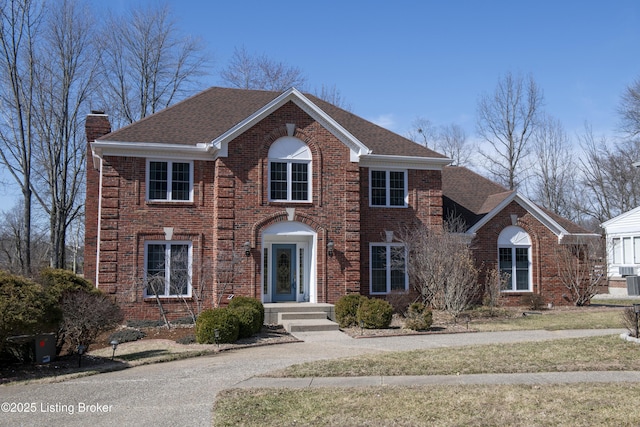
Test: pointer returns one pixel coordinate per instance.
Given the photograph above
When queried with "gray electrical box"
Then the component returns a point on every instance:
(45, 348)
(633, 285)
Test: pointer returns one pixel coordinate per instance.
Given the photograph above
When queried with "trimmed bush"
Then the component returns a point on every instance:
(249, 320)
(374, 313)
(346, 309)
(252, 302)
(533, 301)
(126, 335)
(222, 319)
(58, 281)
(418, 317)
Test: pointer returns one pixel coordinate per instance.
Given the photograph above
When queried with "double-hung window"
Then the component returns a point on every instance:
(168, 269)
(169, 180)
(388, 271)
(388, 188)
(289, 171)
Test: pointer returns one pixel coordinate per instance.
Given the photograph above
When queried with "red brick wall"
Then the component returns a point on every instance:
(425, 206)
(543, 263)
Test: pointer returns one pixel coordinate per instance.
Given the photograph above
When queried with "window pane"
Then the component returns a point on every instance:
(522, 269)
(158, 180)
(636, 250)
(299, 181)
(396, 192)
(179, 273)
(627, 250)
(617, 251)
(180, 187)
(379, 188)
(505, 264)
(378, 269)
(155, 269)
(278, 181)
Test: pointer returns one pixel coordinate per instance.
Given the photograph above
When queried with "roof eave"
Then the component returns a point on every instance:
(101, 148)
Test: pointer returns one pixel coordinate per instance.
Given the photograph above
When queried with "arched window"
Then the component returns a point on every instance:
(289, 171)
(514, 258)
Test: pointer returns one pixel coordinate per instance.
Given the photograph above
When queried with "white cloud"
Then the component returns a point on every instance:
(387, 121)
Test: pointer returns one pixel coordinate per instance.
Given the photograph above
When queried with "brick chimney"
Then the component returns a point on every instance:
(96, 125)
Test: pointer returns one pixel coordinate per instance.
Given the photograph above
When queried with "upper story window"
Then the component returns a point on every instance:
(289, 171)
(169, 180)
(514, 258)
(168, 269)
(388, 188)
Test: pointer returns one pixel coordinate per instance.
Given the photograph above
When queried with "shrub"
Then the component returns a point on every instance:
(58, 281)
(25, 308)
(533, 301)
(85, 315)
(222, 319)
(126, 335)
(400, 300)
(346, 310)
(252, 302)
(248, 318)
(629, 321)
(374, 313)
(418, 317)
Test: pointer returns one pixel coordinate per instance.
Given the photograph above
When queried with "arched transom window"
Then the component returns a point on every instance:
(289, 171)
(514, 258)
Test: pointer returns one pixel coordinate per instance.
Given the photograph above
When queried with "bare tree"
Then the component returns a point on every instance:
(555, 169)
(65, 76)
(506, 121)
(441, 266)
(20, 22)
(611, 184)
(228, 268)
(333, 96)
(247, 71)
(11, 239)
(629, 110)
(582, 269)
(147, 64)
(452, 142)
(424, 132)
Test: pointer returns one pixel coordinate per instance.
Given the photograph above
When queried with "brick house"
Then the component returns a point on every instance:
(277, 196)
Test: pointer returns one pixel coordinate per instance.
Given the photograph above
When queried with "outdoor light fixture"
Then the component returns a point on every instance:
(81, 350)
(114, 345)
(330, 246)
(247, 249)
(216, 335)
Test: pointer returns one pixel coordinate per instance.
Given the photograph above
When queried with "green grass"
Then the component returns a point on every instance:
(502, 405)
(576, 354)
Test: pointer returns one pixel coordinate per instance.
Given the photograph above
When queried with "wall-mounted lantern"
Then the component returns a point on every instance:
(247, 249)
(330, 246)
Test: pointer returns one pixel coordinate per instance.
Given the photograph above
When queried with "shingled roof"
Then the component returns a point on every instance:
(206, 116)
(471, 196)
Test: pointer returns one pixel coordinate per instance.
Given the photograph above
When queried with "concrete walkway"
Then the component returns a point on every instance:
(183, 392)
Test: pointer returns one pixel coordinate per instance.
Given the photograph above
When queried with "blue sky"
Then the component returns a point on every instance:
(394, 61)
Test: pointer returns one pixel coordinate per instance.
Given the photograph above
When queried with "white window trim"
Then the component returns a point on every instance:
(169, 178)
(388, 188)
(167, 244)
(620, 238)
(388, 267)
(513, 289)
(289, 162)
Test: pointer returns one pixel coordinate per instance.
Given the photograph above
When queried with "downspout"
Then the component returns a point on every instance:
(99, 227)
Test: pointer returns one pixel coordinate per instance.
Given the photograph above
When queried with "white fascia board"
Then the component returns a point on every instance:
(619, 217)
(403, 162)
(99, 149)
(534, 210)
(220, 143)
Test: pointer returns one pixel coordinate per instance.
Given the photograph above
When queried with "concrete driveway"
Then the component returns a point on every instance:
(182, 393)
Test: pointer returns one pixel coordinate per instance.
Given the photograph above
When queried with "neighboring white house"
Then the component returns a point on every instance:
(623, 249)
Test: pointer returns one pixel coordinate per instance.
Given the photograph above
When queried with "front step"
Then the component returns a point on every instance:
(288, 315)
(310, 325)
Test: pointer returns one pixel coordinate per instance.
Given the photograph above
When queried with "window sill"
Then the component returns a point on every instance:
(389, 207)
(152, 299)
(285, 203)
(169, 203)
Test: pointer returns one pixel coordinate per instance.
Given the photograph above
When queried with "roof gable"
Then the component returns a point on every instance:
(210, 119)
(625, 222)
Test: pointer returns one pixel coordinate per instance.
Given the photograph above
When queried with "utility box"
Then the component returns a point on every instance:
(633, 285)
(45, 348)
